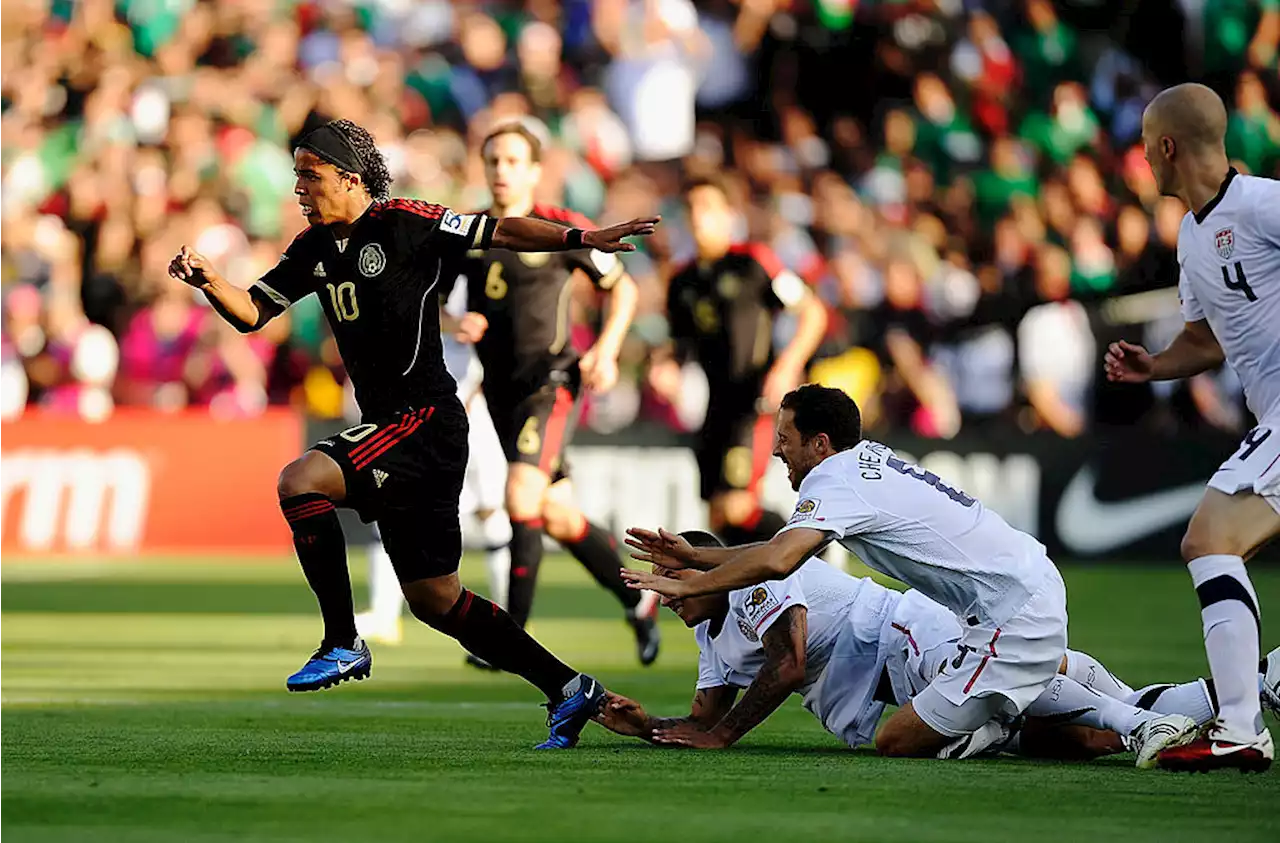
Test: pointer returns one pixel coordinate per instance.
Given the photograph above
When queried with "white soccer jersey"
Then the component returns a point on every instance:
(1229, 259)
(459, 357)
(905, 522)
(843, 655)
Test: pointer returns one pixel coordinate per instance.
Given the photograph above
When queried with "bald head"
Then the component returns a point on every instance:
(1183, 132)
(1191, 114)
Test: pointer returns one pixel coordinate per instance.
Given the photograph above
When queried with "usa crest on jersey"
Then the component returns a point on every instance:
(1225, 242)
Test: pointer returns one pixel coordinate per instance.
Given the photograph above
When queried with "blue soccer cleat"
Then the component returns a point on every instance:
(329, 666)
(567, 718)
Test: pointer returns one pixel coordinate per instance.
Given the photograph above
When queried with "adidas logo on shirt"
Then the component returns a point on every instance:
(320, 273)
(379, 476)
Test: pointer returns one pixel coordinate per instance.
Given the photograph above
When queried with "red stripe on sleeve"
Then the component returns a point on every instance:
(413, 206)
(762, 255)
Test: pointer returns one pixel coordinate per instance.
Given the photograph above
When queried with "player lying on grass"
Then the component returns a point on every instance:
(375, 263)
(904, 522)
(850, 646)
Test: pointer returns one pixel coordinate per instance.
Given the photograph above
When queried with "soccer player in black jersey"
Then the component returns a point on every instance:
(722, 307)
(375, 263)
(518, 317)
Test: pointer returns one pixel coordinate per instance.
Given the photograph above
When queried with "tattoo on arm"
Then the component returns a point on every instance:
(709, 705)
(782, 673)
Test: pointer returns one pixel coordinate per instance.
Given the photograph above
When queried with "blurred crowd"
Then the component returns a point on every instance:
(962, 181)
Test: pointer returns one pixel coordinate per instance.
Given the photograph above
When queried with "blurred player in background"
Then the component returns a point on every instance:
(375, 264)
(1229, 254)
(850, 646)
(519, 320)
(722, 307)
(484, 517)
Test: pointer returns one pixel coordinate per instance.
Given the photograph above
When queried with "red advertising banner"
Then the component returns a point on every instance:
(145, 482)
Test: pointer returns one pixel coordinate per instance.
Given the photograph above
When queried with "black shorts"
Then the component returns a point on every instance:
(405, 471)
(536, 429)
(733, 452)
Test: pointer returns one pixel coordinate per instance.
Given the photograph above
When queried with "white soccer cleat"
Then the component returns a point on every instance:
(383, 630)
(1270, 691)
(1160, 733)
(989, 739)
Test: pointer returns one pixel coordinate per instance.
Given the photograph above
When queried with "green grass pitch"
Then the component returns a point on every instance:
(146, 702)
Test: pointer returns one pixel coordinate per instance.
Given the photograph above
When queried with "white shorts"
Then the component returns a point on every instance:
(1254, 467)
(484, 487)
(995, 673)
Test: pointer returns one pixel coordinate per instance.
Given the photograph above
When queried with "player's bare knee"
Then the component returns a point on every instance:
(1201, 540)
(563, 523)
(525, 495)
(431, 599)
(310, 474)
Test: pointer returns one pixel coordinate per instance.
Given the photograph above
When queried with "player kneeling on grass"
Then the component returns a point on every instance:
(1007, 596)
(850, 646)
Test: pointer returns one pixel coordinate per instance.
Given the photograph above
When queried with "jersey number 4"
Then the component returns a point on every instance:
(932, 479)
(1239, 283)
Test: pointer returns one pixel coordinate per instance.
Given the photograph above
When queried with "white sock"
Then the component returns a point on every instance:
(1190, 699)
(385, 597)
(1229, 610)
(1090, 673)
(1067, 701)
(496, 530)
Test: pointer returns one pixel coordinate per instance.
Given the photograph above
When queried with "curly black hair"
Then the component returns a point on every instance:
(376, 176)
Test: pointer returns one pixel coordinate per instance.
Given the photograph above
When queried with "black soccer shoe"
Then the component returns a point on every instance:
(644, 623)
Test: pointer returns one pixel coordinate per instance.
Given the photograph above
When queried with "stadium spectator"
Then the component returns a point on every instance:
(932, 148)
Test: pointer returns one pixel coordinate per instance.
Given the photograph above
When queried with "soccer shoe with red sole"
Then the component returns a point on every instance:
(1220, 750)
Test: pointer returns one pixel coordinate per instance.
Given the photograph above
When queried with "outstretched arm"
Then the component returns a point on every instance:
(755, 564)
(670, 550)
(527, 234)
(627, 717)
(783, 672)
(243, 310)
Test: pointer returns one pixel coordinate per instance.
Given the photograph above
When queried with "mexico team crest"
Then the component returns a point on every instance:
(1225, 242)
(372, 260)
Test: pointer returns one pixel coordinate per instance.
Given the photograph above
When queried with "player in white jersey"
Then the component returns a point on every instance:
(1229, 281)
(905, 522)
(850, 646)
(481, 506)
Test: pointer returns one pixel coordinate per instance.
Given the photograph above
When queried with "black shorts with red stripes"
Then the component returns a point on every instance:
(405, 471)
(733, 450)
(535, 429)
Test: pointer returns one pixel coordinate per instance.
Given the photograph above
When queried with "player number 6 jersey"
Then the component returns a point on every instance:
(1229, 259)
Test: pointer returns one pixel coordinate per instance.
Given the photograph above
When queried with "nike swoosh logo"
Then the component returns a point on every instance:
(344, 667)
(1227, 748)
(1087, 525)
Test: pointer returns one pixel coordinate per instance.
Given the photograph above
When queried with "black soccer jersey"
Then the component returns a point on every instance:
(723, 311)
(380, 290)
(526, 298)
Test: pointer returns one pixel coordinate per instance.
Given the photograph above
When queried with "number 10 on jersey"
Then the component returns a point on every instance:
(343, 298)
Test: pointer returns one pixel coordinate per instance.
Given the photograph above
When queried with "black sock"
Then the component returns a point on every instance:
(597, 550)
(322, 550)
(526, 557)
(490, 633)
